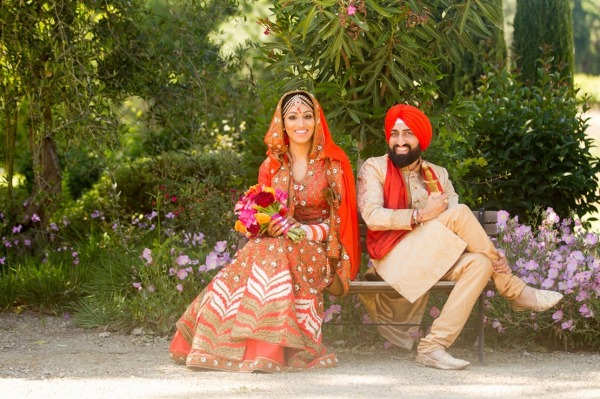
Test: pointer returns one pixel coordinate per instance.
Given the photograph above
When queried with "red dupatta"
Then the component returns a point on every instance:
(323, 148)
(379, 243)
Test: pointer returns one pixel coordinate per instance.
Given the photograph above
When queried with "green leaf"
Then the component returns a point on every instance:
(465, 15)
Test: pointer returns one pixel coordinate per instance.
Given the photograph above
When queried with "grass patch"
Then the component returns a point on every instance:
(589, 85)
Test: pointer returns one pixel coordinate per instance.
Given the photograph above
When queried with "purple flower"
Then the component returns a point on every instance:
(65, 221)
(2, 260)
(53, 226)
(183, 260)
(147, 254)
(114, 226)
(212, 261)
(76, 261)
(151, 288)
(35, 218)
(95, 214)
(367, 319)
(138, 286)
(351, 11)
(170, 215)
(552, 217)
(490, 294)
(221, 246)
(17, 229)
(502, 218)
(152, 227)
(179, 287)
(547, 283)
(532, 265)
(558, 315)
(434, 312)
(182, 274)
(567, 325)
(44, 260)
(568, 238)
(74, 254)
(585, 312)
(335, 309)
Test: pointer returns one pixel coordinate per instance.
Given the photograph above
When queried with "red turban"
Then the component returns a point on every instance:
(414, 119)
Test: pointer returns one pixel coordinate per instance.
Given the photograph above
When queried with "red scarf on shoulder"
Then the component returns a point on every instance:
(379, 243)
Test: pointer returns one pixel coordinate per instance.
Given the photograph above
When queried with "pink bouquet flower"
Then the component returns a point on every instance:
(258, 207)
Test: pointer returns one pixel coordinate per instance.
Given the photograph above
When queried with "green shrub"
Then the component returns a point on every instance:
(534, 146)
(202, 183)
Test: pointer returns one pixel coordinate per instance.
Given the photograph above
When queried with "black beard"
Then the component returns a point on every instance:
(403, 160)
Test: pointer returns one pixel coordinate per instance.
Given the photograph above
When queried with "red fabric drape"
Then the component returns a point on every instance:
(379, 243)
(347, 211)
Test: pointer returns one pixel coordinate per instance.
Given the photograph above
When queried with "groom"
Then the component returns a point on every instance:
(420, 234)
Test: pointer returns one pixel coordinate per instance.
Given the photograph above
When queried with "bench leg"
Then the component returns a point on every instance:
(481, 317)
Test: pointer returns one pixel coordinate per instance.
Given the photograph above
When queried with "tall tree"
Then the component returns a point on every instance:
(464, 73)
(540, 23)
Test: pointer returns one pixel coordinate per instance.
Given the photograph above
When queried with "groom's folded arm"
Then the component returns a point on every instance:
(370, 201)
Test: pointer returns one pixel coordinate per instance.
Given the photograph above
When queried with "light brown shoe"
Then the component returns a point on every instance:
(545, 300)
(448, 363)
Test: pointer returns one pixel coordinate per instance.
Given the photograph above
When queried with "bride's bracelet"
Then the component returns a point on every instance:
(315, 232)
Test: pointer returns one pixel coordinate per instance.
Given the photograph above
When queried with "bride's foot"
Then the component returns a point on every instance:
(536, 300)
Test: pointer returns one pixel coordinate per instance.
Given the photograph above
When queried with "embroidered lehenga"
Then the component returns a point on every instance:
(263, 311)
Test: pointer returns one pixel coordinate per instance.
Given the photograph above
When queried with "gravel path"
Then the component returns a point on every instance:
(43, 356)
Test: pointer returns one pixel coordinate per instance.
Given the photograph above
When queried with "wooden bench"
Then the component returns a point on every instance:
(488, 220)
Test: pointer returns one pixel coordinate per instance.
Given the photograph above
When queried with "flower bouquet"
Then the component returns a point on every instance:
(257, 207)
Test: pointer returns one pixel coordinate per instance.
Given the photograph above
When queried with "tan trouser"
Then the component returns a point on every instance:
(471, 273)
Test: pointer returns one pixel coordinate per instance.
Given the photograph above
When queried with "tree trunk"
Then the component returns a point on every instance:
(47, 186)
(11, 132)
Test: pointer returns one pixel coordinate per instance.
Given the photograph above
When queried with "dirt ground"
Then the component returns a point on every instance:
(42, 356)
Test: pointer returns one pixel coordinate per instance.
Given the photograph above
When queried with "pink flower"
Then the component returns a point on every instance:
(490, 294)
(183, 260)
(170, 215)
(76, 261)
(74, 254)
(151, 288)
(221, 246)
(182, 274)
(558, 315)
(173, 199)
(266, 32)
(434, 312)
(147, 254)
(2, 260)
(179, 287)
(585, 312)
(35, 218)
(367, 319)
(567, 325)
(351, 10)
(138, 286)
(17, 228)
(335, 309)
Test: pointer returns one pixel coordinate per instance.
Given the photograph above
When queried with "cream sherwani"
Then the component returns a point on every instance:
(453, 246)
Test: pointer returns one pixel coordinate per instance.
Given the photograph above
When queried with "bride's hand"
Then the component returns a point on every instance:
(278, 226)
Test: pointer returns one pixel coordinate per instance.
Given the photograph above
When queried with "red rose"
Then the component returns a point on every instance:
(264, 199)
(253, 229)
(283, 212)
